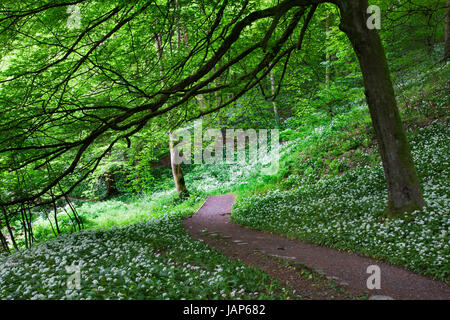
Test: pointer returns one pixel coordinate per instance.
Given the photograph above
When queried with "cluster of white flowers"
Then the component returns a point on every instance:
(227, 177)
(347, 211)
(147, 260)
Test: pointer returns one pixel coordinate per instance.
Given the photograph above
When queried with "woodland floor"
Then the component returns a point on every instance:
(315, 272)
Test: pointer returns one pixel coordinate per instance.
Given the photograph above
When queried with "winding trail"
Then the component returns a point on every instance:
(212, 224)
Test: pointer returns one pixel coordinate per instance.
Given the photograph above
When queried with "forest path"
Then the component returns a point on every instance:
(348, 271)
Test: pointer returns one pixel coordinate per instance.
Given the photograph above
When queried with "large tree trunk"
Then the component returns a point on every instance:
(404, 192)
(178, 175)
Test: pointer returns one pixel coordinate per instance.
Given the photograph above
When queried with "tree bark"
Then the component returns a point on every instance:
(111, 189)
(274, 103)
(404, 192)
(3, 239)
(327, 56)
(177, 172)
(177, 8)
(8, 226)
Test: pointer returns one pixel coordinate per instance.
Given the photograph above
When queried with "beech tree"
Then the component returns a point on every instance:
(404, 192)
(70, 95)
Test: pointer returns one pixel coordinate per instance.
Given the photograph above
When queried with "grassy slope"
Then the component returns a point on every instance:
(333, 187)
(148, 257)
(347, 211)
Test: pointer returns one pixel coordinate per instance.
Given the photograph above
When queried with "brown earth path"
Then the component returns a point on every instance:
(265, 250)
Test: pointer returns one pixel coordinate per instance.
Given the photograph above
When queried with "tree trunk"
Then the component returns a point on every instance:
(111, 189)
(8, 226)
(3, 239)
(274, 103)
(447, 32)
(177, 8)
(404, 192)
(178, 175)
(327, 56)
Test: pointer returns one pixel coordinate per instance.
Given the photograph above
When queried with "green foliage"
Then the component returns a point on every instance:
(155, 259)
(329, 188)
(347, 212)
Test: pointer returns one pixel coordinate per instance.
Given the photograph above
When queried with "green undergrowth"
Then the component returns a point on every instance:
(155, 259)
(347, 211)
(131, 248)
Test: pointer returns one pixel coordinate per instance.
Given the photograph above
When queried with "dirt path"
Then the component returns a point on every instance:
(347, 272)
